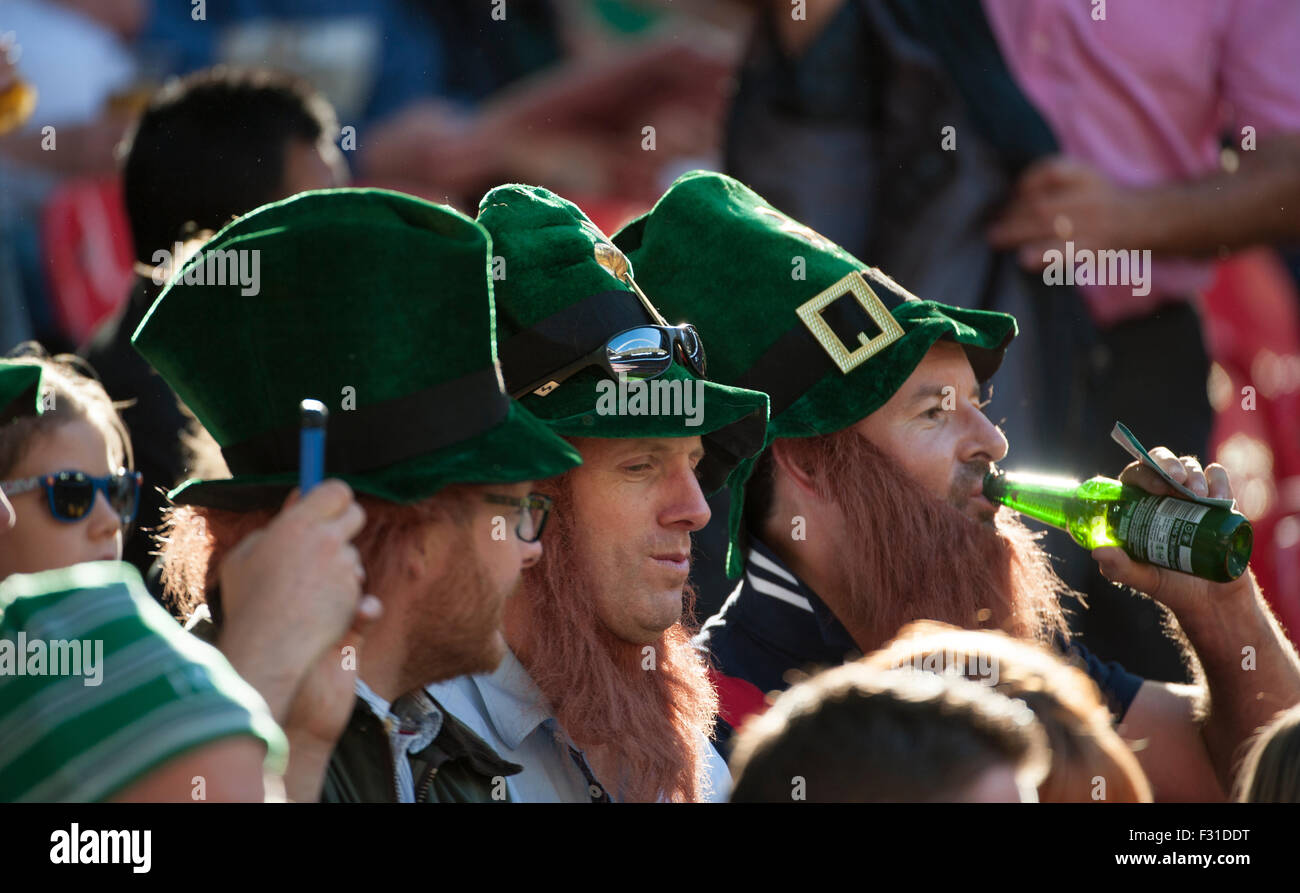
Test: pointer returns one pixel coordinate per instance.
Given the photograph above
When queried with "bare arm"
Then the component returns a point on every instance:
(230, 769)
(1251, 669)
(1256, 204)
(1061, 198)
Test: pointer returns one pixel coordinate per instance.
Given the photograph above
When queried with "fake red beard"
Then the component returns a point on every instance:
(905, 555)
(641, 715)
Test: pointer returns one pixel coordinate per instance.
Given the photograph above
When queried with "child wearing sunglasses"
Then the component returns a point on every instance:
(117, 733)
(66, 473)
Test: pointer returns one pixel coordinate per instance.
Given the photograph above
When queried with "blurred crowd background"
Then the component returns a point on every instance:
(607, 101)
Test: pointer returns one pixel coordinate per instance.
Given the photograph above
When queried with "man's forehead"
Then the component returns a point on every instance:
(604, 446)
(945, 363)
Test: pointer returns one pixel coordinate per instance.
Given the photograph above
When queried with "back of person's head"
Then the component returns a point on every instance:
(1090, 761)
(220, 142)
(857, 734)
(1270, 772)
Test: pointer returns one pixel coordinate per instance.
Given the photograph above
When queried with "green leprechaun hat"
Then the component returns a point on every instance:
(373, 302)
(788, 312)
(563, 290)
(20, 386)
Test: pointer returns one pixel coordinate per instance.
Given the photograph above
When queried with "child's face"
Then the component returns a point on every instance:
(38, 541)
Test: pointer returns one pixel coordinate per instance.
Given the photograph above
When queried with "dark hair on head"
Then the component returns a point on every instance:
(862, 735)
(1270, 772)
(211, 146)
(70, 392)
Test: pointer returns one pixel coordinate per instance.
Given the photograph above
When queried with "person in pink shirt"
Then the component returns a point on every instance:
(1140, 101)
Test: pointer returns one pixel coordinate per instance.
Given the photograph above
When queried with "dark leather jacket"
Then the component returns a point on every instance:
(457, 767)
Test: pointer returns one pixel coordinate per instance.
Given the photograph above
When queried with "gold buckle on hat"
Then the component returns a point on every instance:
(854, 284)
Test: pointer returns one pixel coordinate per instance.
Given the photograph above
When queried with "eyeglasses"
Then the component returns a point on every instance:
(534, 509)
(71, 494)
(636, 354)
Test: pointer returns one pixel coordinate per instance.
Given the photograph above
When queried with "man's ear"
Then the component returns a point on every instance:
(790, 467)
(428, 553)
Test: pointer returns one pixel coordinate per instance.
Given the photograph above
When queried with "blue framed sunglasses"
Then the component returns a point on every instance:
(71, 494)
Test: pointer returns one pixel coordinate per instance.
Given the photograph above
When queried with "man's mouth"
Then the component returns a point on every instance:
(678, 561)
(973, 503)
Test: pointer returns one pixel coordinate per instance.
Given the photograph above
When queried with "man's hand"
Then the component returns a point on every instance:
(292, 590)
(321, 708)
(1184, 594)
(1059, 199)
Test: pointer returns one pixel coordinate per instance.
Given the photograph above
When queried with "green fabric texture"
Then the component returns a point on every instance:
(548, 248)
(366, 300)
(77, 732)
(714, 251)
(19, 390)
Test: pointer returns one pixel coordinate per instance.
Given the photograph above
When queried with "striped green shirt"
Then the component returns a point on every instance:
(99, 685)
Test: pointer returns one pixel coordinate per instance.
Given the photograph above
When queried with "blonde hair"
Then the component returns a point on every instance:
(1270, 771)
(1085, 747)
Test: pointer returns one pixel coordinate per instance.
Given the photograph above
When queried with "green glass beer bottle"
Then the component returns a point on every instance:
(1213, 543)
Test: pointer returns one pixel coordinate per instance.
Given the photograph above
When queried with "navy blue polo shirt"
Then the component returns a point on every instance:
(772, 624)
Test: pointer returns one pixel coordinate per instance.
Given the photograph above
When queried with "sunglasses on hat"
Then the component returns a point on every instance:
(71, 494)
(636, 354)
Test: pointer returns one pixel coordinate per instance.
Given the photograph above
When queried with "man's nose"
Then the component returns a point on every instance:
(985, 439)
(530, 554)
(686, 507)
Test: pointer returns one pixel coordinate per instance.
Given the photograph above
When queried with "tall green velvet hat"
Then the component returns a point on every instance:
(788, 312)
(373, 302)
(20, 385)
(562, 291)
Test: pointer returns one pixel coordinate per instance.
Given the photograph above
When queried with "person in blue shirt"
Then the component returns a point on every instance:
(602, 697)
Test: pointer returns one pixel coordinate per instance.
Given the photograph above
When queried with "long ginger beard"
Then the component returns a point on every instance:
(903, 554)
(641, 716)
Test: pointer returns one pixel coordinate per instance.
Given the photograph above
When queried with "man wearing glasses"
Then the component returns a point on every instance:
(601, 697)
(354, 285)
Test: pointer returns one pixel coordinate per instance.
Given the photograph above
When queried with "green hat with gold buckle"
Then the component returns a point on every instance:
(787, 312)
(376, 303)
(570, 317)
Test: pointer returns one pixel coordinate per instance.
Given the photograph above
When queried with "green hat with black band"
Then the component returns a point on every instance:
(20, 387)
(376, 303)
(563, 291)
(788, 312)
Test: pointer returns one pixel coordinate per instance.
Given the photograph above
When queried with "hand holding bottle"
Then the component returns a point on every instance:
(1179, 591)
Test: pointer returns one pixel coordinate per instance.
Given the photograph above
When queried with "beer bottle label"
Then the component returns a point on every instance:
(1160, 530)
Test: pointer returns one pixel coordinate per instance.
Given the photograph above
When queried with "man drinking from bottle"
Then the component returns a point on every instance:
(866, 510)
